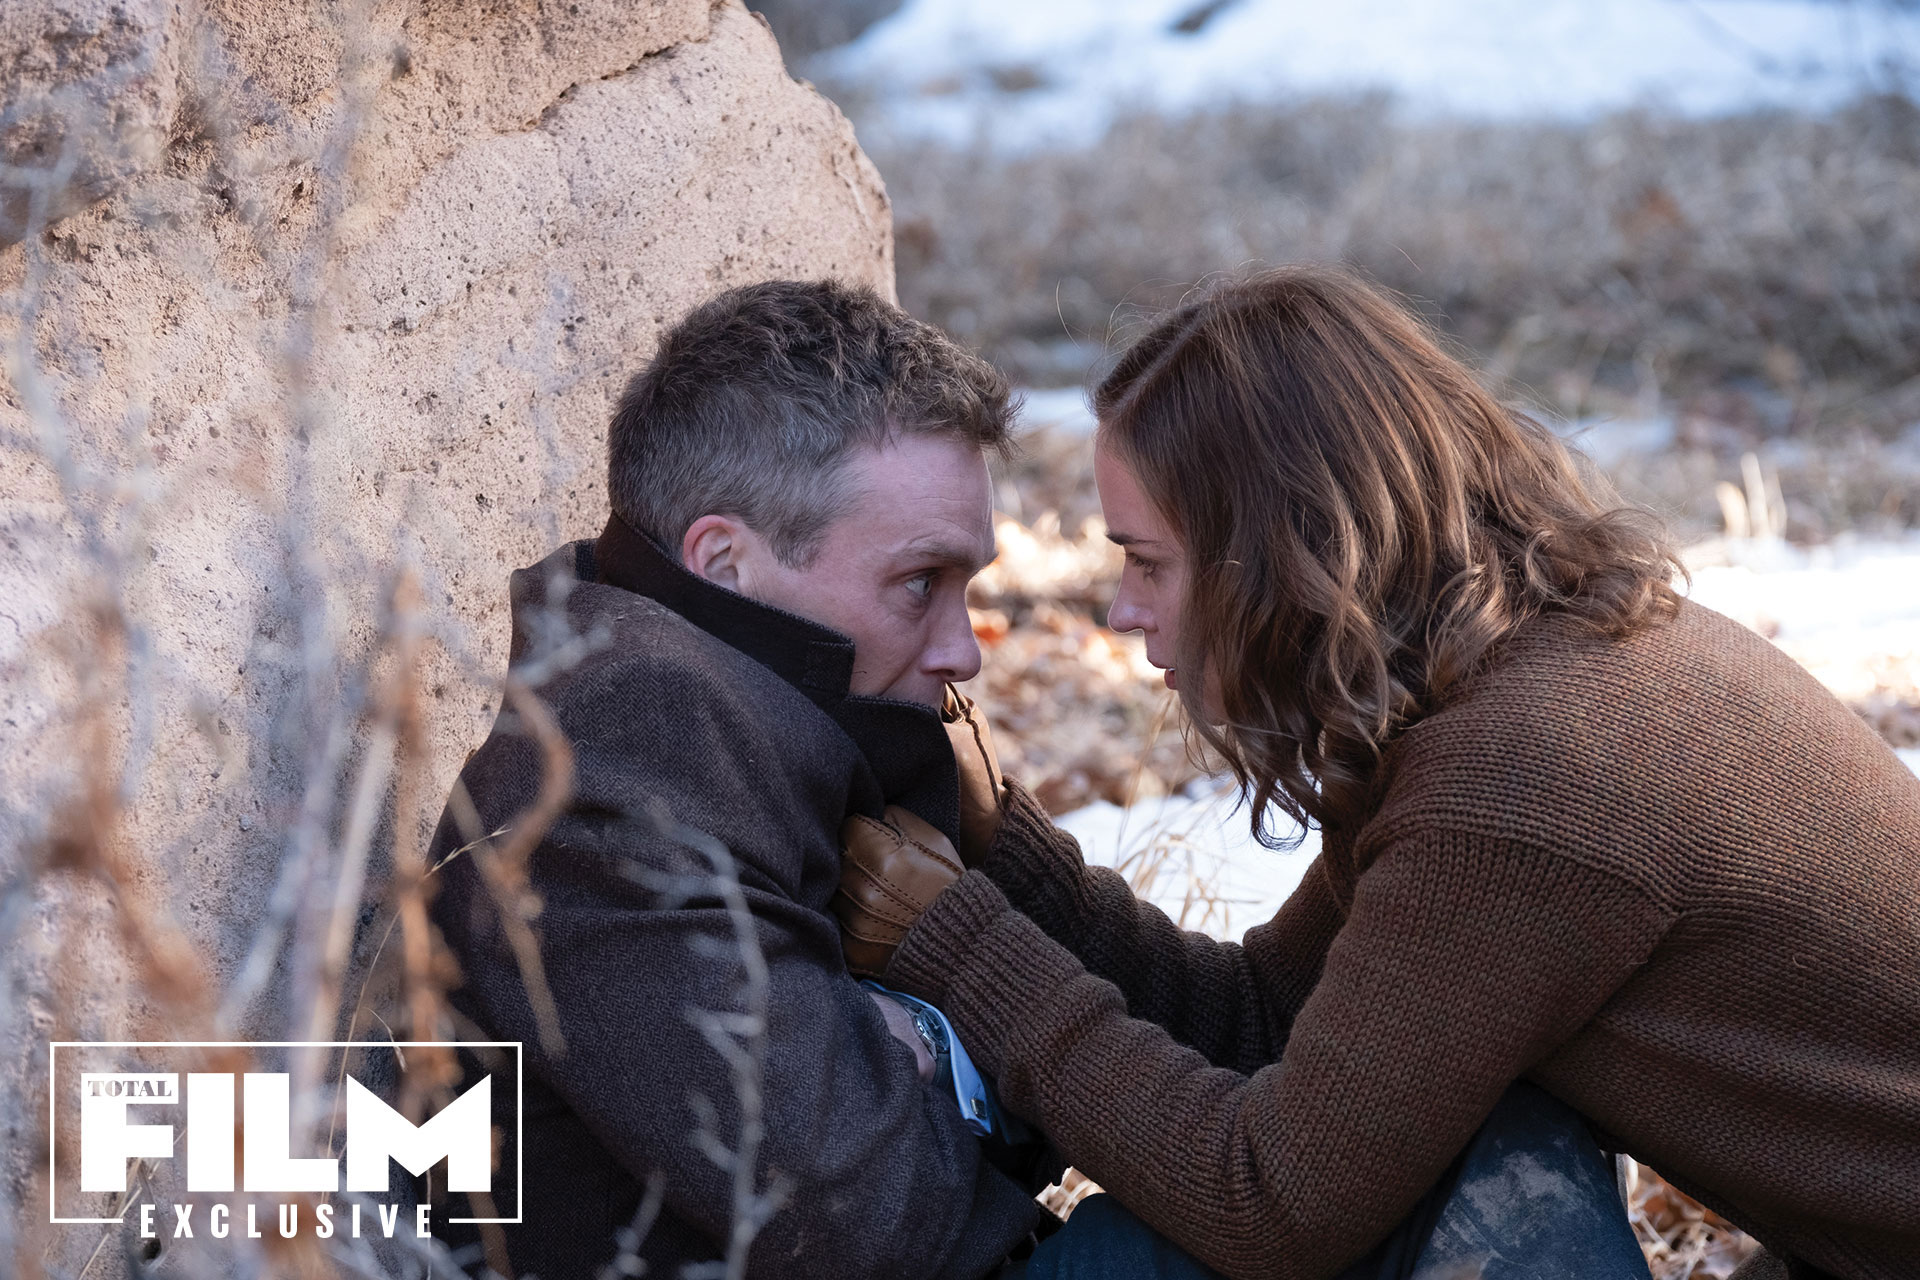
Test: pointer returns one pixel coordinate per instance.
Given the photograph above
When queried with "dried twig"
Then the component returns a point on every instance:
(738, 1037)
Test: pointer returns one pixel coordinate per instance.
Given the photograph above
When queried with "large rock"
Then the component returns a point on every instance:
(317, 297)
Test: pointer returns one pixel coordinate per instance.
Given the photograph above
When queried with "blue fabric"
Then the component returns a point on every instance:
(1534, 1199)
(1531, 1198)
(978, 1111)
(1103, 1241)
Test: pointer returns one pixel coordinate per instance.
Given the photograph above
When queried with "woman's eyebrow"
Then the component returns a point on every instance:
(1130, 540)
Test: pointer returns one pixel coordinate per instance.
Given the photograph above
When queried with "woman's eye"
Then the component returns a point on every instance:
(1146, 567)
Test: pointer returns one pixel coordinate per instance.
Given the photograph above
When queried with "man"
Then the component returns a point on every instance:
(753, 652)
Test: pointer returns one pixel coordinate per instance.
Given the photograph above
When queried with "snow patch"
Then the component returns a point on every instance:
(1019, 73)
(1061, 408)
(1848, 611)
(1194, 856)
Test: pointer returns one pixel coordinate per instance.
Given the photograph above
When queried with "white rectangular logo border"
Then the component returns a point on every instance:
(519, 1102)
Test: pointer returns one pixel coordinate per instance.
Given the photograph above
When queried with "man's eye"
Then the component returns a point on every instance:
(921, 585)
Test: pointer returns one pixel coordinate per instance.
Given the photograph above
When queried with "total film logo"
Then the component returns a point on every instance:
(201, 1119)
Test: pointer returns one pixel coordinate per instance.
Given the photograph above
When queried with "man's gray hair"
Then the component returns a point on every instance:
(753, 402)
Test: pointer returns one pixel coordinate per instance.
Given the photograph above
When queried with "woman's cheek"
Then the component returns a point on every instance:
(1166, 608)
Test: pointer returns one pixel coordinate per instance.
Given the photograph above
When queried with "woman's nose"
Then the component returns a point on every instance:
(1126, 614)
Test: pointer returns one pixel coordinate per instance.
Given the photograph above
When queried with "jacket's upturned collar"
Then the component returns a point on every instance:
(904, 742)
(814, 659)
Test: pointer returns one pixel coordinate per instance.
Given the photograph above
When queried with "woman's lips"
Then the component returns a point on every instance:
(1167, 675)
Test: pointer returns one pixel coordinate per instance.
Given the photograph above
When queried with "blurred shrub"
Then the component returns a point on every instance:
(1619, 261)
(805, 27)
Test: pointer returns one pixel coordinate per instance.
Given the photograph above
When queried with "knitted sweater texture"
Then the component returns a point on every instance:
(1670, 879)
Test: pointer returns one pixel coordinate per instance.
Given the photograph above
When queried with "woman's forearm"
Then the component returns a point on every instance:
(1423, 1015)
(1202, 991)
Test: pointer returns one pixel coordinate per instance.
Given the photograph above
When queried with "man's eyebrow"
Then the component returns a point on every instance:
(943, 551)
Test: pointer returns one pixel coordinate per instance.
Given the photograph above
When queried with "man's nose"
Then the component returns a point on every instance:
(954, 654)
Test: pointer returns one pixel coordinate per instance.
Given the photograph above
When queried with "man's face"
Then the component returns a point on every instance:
(891, 572)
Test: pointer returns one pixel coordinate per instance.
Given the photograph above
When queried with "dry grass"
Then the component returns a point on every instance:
(1755, 279)
(1776, 254)
(1846, 481)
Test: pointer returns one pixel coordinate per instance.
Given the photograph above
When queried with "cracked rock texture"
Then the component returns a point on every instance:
(296, 294)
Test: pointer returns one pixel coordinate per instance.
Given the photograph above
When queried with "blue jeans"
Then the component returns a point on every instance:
(1531, 1198)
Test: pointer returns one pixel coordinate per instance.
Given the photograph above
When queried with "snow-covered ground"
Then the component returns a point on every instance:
(1057, 408)
(1850, 612)
(1023, 72)
(1194, 855)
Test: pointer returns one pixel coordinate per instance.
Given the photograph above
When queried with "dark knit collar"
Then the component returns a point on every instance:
(815, 659)
(904, 742)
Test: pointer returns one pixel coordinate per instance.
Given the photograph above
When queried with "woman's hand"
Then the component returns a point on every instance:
(890, 870)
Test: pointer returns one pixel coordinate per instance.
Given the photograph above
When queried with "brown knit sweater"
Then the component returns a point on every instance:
(1670, 879)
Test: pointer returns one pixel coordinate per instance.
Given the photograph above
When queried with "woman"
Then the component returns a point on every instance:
(1581, 841)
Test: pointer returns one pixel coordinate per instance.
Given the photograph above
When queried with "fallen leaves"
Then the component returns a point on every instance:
(1683, 1239)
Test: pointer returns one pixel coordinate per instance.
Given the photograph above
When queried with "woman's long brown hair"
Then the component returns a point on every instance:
(1362, 521)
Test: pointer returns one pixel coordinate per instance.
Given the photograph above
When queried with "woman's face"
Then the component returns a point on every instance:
(1153, 582)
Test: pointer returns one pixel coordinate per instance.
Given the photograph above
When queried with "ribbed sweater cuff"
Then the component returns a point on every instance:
(926, 958)
(1036, 864)
(984, 964)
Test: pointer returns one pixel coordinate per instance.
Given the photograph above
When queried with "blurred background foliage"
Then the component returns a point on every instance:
(1746, 278)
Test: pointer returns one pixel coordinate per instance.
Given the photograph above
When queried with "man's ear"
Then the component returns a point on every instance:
(716, 548)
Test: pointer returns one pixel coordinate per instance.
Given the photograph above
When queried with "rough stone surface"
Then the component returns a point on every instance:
(324, 290)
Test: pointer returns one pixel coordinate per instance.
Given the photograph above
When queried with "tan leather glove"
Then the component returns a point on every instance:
(983, 792)
(890, 871)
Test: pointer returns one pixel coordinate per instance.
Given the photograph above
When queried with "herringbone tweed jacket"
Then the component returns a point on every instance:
(691, 702)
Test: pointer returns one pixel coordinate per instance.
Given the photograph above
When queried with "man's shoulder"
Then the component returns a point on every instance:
(607, 659)
(1623, 750)
(633, 642)
(655, 714)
